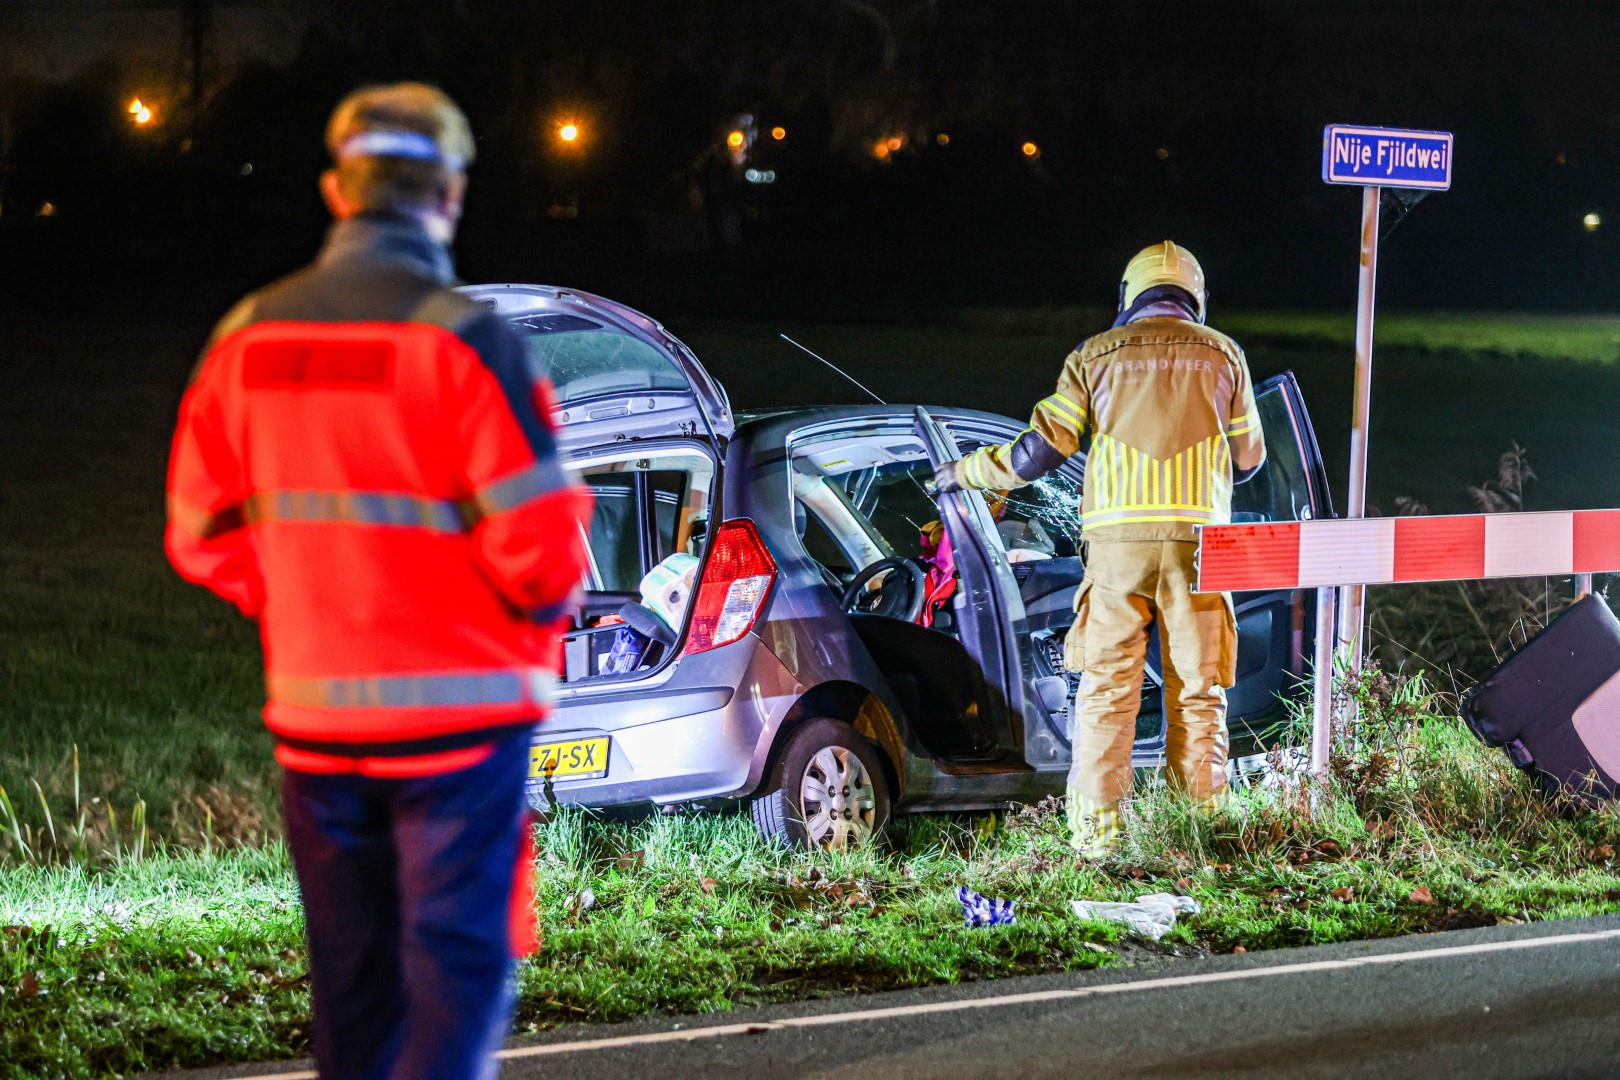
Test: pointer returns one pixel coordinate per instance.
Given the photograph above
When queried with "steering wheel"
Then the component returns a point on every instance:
(900, 597)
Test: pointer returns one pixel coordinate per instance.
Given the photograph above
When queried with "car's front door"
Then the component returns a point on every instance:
(993, 619)
(1275, 628)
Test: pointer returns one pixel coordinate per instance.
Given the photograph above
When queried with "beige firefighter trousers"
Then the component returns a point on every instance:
(1127, 584)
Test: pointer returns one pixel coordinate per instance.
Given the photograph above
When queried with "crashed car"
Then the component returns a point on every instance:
(821, 670)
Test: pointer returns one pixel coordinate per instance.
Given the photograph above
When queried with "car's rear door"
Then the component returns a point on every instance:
(1274, 628)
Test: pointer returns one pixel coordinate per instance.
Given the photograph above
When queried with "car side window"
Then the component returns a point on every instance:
(894, 498)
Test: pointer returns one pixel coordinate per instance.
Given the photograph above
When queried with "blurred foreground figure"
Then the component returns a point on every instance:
(364, 465)
(1170, 405)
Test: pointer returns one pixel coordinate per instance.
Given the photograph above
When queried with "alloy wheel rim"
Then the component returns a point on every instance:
(837, 799)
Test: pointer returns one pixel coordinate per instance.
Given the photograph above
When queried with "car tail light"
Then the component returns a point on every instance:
(736, 580)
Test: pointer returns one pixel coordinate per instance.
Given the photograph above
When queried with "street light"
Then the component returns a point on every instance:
(735, 140)
(568, 132)
(1592, 221)
(1031, 151)
(139, 111)
(779, 133)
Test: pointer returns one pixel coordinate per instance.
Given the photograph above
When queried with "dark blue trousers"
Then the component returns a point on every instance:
(407, 889)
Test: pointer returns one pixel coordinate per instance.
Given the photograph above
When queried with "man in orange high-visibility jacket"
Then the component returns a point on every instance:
(364, 465)
(1170, 405)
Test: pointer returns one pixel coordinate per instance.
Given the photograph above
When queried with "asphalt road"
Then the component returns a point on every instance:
(1540, 1000)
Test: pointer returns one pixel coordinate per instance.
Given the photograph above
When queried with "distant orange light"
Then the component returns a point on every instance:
(896, 142)
(144, 115)
(943, 139)
(568, 132)
(735, 139)
(778, 133)
(880, 149)
(135, 106)
(1031, 150)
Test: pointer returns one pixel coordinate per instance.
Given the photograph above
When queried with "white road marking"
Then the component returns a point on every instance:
(721, 1031)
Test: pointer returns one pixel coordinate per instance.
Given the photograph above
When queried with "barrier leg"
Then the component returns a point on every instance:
(1322, 704)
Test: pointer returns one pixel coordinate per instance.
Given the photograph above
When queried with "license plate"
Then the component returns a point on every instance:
(576, 759)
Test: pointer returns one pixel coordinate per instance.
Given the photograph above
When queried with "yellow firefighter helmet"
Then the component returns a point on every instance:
(1166, 263)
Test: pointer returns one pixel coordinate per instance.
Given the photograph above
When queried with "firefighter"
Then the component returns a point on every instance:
(364, 466)
(1170, 407)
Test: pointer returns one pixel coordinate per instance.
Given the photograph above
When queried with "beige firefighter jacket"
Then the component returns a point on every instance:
(1170, 404)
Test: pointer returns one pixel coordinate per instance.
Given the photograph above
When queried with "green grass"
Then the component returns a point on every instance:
(1587, 338)
(187, 959)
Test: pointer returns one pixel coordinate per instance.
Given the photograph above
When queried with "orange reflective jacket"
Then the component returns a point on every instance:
(364, 464)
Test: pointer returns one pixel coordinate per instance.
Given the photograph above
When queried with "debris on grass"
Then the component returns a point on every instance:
(1151, 915)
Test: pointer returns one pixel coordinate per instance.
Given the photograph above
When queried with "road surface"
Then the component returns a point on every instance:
(1539, 1000)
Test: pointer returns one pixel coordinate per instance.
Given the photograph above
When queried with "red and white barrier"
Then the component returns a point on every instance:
(1384, 551)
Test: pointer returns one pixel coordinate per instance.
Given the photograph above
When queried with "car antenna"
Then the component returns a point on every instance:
(835, 367)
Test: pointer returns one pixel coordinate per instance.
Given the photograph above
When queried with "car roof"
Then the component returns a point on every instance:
(788, 418)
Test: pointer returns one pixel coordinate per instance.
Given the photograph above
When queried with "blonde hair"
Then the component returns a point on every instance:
(376, 182)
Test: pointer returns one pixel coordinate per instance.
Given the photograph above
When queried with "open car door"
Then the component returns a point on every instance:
(993, 614)
(1275, 628)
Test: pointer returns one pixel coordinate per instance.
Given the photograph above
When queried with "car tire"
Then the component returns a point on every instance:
(851, 812)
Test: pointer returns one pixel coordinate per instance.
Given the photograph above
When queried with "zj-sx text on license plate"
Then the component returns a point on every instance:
(576, 759)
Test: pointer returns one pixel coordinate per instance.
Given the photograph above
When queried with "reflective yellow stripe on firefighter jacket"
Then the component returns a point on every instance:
(1170, 405)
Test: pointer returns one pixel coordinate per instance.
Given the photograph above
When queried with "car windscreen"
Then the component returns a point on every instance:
(583, 358)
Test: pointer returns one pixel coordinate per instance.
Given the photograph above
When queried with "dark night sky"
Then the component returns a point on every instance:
(1200, 122)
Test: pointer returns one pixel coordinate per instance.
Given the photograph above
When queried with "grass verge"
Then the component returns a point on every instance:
(187, 959)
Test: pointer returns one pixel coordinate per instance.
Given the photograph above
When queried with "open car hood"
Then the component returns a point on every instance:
(617, 373)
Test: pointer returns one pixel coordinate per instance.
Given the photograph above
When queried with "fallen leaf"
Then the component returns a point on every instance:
(631, 860)
(1602, 853)
(857, 899)
(757, 943)
(1223, 868)
(875, 910)
(1508, 920)
(776, 926)
(1329, 848)
(835, 891)
(1184, 884)
(707, 884)
(813, 876)
(192, 957)
(1239, 949)
(581, 902)
(1094, 947)
(1344, 895)
(1421, 895)
(29, 986)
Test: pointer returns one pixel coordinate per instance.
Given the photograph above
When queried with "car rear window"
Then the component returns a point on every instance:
(583, 358)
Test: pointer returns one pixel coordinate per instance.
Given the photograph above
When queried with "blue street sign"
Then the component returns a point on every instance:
(1386, 157)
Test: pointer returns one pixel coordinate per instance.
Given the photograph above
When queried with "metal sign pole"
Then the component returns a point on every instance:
(1352, 611)
(1322, 705)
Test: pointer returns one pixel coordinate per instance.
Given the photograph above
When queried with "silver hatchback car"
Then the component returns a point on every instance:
(816, 674)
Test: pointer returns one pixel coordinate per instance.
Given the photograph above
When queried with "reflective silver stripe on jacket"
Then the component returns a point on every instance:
(378, 508)
(357, 507)
(523, 486)
(523, 686)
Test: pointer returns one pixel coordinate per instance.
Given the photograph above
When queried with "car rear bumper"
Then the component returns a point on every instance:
(693, 739)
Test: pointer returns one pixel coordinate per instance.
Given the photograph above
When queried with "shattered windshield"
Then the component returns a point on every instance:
(1042, 517)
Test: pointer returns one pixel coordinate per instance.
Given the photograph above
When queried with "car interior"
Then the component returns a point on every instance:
(649, 505)
(865, 515)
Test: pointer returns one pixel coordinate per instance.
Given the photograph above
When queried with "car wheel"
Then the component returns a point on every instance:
(827, 791)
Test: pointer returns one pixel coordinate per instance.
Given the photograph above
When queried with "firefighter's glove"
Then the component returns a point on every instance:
(946, 479)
